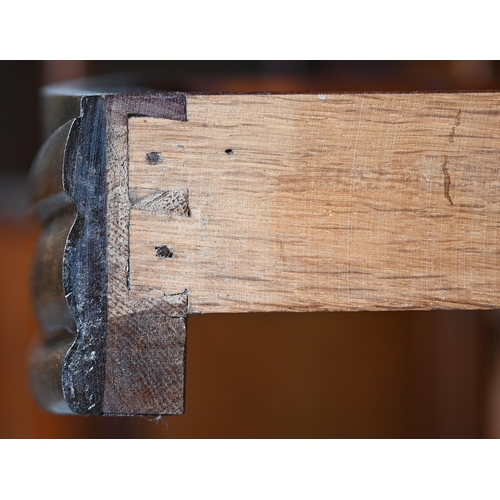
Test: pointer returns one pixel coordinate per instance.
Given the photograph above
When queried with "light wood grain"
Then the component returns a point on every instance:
(325, 202)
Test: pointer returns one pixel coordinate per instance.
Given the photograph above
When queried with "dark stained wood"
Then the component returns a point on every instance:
(146, 367)
(85, 262)
(98, 359)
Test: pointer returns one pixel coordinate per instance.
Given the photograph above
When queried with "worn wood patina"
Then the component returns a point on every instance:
(161, 205)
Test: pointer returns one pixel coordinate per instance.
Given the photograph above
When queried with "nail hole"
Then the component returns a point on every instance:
(163, 252)
(229, 152)
(153, 158)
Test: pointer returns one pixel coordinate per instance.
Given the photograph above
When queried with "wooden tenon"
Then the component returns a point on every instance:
(161, 205)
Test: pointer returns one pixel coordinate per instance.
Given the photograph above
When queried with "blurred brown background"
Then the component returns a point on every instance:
(326, 375)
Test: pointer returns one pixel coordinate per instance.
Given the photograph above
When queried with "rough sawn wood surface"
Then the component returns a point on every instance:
(321, 202)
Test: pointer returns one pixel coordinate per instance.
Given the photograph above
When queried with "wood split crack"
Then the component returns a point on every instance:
(447, 181)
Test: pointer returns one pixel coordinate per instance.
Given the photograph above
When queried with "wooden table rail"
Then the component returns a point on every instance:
(159, 205)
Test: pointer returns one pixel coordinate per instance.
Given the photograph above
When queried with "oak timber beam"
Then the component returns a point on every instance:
(166, 204)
